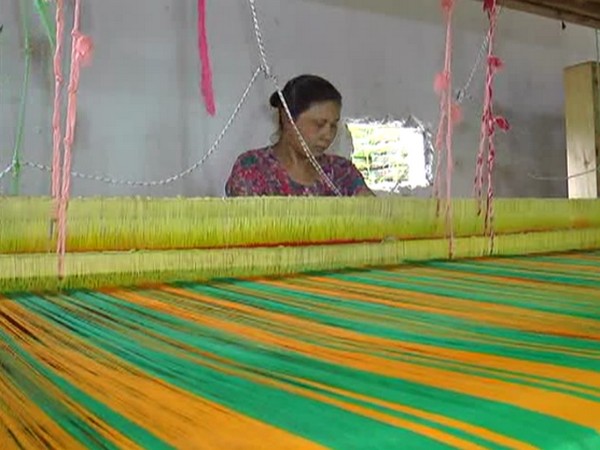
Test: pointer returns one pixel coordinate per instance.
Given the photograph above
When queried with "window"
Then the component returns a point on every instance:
(392, 155)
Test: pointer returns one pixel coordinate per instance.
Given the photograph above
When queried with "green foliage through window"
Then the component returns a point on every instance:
(390, 155)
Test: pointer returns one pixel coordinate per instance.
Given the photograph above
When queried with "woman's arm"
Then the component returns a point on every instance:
(354, 183)
(364, 192)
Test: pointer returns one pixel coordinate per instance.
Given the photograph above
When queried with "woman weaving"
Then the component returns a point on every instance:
(283, 169)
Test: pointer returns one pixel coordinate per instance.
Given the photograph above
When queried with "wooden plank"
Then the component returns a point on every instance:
(581, 12)
(582, 129)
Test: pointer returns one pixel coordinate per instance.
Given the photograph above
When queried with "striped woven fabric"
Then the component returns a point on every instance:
(487, 354)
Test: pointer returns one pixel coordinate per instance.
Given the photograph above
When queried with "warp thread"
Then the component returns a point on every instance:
(450, 115)
(489, 121)
(206, 82)
(81, 54)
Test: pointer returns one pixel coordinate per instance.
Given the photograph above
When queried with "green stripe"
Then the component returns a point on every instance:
(508, 272)
(64, 416)
(303, 416)
(356, 324)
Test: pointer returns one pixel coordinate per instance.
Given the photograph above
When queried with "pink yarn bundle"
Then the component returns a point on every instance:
(489, 122)
(81, 55)
(450, 115)
(58, 80)
(206, 82)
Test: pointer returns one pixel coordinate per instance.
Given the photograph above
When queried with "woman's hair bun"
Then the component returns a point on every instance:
(302, 92)
(274, 100)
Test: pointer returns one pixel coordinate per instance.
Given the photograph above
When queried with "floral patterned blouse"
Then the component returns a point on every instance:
(259, 173)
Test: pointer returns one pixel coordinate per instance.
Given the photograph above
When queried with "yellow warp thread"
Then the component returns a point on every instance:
(123, 241)
(37, 272)
(121, 224)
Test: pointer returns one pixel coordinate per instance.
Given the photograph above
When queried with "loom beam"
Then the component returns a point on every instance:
(131, 241)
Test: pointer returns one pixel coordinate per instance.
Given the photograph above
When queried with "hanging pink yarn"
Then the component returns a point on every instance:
(81, 55)
(489, 123)
(56, 115)
(450, 115)
(206, 83)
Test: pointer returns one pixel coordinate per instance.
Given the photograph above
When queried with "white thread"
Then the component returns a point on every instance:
(3, 173)
(462, 93)
(259, 41)
(171, 179)
(273, 78)
(7, 170)
(570, 177)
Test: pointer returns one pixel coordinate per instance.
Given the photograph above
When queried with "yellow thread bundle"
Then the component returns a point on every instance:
(103, 231)
(120, 224)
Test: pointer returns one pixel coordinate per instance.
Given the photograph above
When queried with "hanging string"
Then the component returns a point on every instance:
(271, 76)
(43, 9)
(18, 147)
(206, 83)
(81, 53)
(450, 115)
(56, 115)
(489, 122)
(597, 42)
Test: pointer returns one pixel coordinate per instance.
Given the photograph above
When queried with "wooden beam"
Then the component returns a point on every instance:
(586, 13)
(582, 114)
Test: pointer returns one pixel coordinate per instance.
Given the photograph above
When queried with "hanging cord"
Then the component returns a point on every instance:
(81, 53)
(43, 10)
(449, 116)
(206, 83)
(489, 123)
(6, 171)
(56, 115)
(463, 92)
(268, 73)
(18, 147)
(597, 42)
(9, 168)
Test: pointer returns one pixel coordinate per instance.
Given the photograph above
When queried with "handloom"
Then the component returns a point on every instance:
(420, 352)
(297, 323)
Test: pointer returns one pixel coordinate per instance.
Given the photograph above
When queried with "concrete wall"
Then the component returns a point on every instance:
(141, 116)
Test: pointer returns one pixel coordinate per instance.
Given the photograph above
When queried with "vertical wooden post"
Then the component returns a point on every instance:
(582, 113)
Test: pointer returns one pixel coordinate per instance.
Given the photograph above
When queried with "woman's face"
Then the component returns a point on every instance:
(318, 125)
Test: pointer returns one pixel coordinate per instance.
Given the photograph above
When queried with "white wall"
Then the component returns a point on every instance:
(141, 115)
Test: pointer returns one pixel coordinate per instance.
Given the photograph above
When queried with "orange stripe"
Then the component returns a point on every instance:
(425, 430)
(349, 290)
(540, 369)
(27, 423)
(497, 314)
(581, 411)
(417, 349)
(149, 402)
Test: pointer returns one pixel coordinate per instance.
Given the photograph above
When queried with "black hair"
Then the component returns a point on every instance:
(302, 92)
